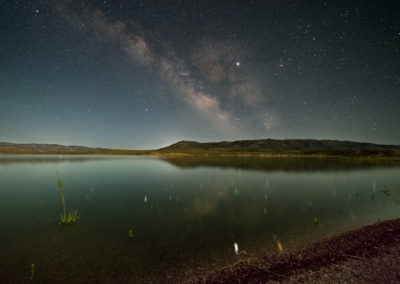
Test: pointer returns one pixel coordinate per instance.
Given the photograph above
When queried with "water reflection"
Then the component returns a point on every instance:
(236, 247)
(246, 163)
(278, 164)
(181, 220)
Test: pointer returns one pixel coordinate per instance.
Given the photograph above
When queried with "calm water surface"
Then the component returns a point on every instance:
(186, 214)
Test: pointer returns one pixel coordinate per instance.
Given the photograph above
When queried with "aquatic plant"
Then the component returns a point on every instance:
(130, 234)
(60, 188)
(72, 215)
(32, 271)
(316, 221)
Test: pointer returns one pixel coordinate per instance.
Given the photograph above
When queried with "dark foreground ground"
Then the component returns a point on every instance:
(367, 255)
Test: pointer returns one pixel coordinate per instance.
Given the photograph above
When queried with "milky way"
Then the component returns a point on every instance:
(143, 74)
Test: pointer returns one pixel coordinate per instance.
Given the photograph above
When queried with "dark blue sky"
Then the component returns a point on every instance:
(144, 74)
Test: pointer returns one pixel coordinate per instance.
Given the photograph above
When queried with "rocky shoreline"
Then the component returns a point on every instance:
(367, 255)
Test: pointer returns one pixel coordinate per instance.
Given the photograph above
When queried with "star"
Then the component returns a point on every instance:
(171, 68)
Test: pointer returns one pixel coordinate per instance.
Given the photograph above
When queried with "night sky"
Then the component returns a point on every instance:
(144, 74)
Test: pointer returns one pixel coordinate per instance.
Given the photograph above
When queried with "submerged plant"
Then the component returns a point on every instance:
(71, 218)
(130, 234)
(72, 215)
(32, 271)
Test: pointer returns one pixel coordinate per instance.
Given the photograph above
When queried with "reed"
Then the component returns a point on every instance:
(32, 271)
(60, 188)
(72, 216)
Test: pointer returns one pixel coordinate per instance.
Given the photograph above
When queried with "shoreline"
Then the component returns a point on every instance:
(206, 155)
(370, 254)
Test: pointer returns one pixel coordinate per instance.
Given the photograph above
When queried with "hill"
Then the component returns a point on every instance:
(264, 147)
(287, 146)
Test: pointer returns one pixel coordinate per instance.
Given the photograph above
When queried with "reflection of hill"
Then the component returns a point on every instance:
(277, 164)
(235, 162)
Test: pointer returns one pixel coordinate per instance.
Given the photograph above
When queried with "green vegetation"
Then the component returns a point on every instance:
(316, 221)
(60, 188)
(32, 271)
(286, 148)
(72, 216)
(262, 148)
(130, 234)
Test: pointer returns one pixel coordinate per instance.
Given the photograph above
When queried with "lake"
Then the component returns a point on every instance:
(186, 214)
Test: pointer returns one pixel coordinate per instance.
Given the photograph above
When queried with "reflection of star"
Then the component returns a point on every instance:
(237, 63)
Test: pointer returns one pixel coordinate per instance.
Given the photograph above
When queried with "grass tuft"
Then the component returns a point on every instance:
(72, 216)
(32, 271)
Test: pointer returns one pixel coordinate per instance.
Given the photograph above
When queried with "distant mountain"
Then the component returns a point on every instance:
(296, 147)
(287, 146)
(6, 147)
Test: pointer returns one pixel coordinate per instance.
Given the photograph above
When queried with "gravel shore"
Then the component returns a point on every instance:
(367, 255)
